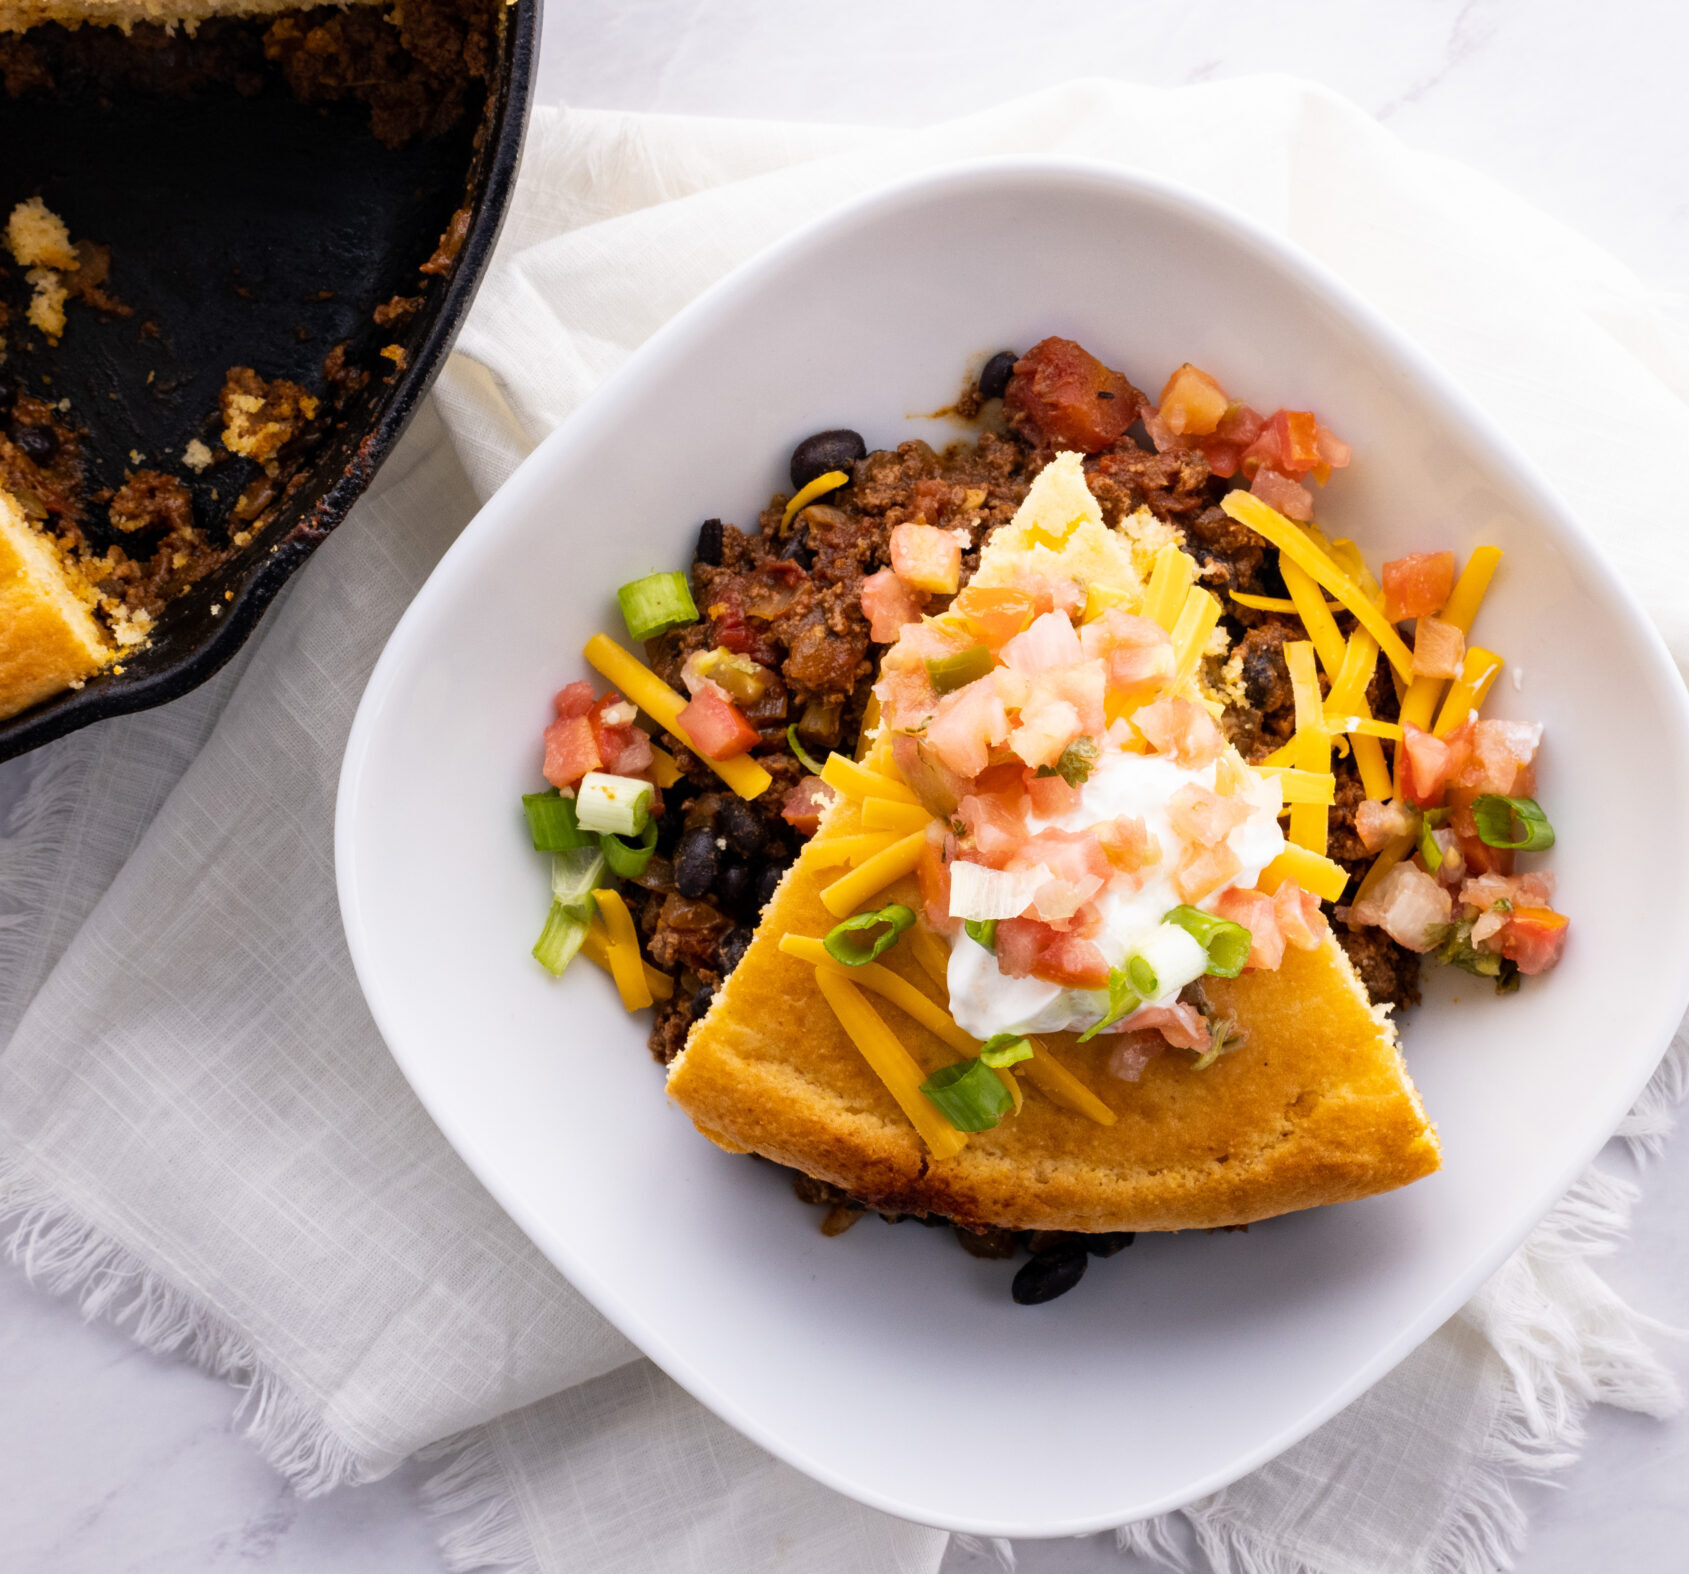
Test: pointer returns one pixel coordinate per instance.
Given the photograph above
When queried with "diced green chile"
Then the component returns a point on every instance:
(1428, 848)
(1495, 814)
(982, 931)
(1226, 943)
(960, 668)
(1005, 1049)
(629, 860)
(969, 1095)
(852, 943)
(551, 822)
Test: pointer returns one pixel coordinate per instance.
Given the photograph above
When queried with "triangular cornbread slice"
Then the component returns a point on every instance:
(1315, 1107)
(48, 638)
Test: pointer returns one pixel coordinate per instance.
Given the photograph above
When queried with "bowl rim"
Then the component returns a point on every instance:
(491, 178)
(1090, 179)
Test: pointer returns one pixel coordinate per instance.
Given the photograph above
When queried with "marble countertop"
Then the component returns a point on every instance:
(120, 1463)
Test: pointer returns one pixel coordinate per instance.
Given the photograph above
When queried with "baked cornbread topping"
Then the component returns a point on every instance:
(1057, 858)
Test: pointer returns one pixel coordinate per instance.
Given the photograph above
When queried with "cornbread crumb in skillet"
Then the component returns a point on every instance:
(17, 15)
(1316, 1106)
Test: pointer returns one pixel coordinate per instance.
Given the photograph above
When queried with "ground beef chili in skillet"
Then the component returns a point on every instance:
(789, 597)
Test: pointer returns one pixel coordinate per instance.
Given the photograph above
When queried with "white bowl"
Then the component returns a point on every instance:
(888, 1363)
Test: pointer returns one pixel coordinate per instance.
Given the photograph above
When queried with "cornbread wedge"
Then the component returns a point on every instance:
(1315, 1107)
(48, 639)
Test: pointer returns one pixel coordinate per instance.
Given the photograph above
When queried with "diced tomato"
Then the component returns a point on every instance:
(1222, 456)
(1020, 942)
(1438, 649)
(995, 614)
(1138, 651)
(1127, 843)
(1533, 937)
(1199, 815)
(934, 499)
(1481, 859)
(1132, 1052)
(965, 726)
(906, 693)
(1298, 440)
(1071, 961)
(1258, 913)
(1063, 396)
(995, 827)
(573, 699)
(1377, 823)
(1050, 796)
(932, 875)
(926, 558)
(1428, 764)
(1182, 729)
(1182, 1025)
(804, 803)
(1280, 492)
(570, 750)
(1502, 752)
(1049, 642)
(1203, 870)
(1333, 452)
(1045, 731)
(1418, 585)
(1241, 425)
(1077, 869)
(938, 788)
(1299, 917)
(1192, 404)
(1262, 451)
(623, 747)
(718, 728)
(888, 604)
(1083, 685)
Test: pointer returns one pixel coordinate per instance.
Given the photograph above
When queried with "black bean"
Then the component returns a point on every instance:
(994, 1244)
(711, 539)
(1049, 1275)
(994, 375)
(671, 826)
(739, 823)
(732, 947)
(733, 884)
(39, 443)
(1108, 1245)
(696, 861)
(767, 883)
(796, 549)
(824, 451)
(9, 391)
(1041, 1242)
(701, 999)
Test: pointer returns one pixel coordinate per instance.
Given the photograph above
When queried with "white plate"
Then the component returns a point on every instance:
(888, 1363)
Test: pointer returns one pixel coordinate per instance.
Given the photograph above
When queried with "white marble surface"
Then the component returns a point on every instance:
(119, 1463)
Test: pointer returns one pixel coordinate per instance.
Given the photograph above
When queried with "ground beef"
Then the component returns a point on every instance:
(1175, 486)
(1389, 971)
(151, 500)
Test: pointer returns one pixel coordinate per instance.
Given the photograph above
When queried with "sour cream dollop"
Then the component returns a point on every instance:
(985, 1003)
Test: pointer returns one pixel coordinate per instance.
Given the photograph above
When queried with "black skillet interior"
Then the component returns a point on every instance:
(247, 231)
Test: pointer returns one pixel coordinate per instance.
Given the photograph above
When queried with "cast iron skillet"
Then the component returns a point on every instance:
(256, 232)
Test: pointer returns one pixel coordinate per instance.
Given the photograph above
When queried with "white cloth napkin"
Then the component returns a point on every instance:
(202, 1136)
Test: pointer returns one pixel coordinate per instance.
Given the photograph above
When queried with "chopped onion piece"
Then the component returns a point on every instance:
(979, 892)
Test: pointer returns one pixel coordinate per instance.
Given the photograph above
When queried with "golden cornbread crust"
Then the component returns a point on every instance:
(48, 640)
(1315, 1108)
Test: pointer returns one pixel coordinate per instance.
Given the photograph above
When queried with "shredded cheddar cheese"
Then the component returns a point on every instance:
(1322, 628)
(596, 949)
(1419, 703)
(1196, 624)
(1060, 1086)
(1169, 581)
(845, 895)
(857, 781)
(819, 487)
(627, 967)
(932, 955)
(1274, 603)
(831, 851)
(1308, 821)
(890, 1062)
(890, 814)
(665, 772)
(1299, 786)
(1309, 870)
(1273, 527)
(1393, 853)
(641, 685)
(1468, 692)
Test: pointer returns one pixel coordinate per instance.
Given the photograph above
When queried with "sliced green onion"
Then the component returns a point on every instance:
(982, 931)
(559, 940)
(969, 1095)
(1226, 943)
(1224, 1035)
(1077, 762)
(1495, 816)
(656, 604)
(629, 862)
(1123, 1000)
(1142, 977)
(1006, 1049)
(849, 944)
(960, 668)
(575, 875)
(799, 752)
(1428, 848)
(551, 822)
(618, 804)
